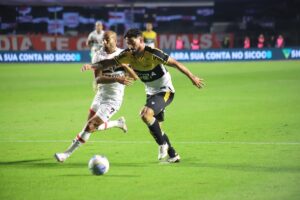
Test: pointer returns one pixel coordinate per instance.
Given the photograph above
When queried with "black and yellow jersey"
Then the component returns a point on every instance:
(152, 58)
(150, 68)
(149, 38)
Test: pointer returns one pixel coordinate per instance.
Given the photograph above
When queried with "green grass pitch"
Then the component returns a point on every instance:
(239, 138)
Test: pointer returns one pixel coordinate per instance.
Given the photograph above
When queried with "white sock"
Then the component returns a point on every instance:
(109, 124)
(81, 138)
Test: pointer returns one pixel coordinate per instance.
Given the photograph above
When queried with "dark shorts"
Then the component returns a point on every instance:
(158, 102)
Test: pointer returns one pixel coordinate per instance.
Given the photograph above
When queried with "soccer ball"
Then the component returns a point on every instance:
(98, 165)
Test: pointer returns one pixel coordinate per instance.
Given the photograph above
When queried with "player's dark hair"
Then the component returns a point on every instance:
(133, 33)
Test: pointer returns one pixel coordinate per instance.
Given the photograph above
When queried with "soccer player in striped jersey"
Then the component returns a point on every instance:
(109, 97)
(149, 64)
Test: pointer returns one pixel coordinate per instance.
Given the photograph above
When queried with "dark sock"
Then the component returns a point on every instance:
(171, 150)
(167, 139)
(156, 133)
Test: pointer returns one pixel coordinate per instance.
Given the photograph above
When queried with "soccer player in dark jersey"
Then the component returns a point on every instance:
(149, 63)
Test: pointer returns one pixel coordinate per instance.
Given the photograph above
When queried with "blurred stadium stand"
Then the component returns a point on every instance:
(77, 17)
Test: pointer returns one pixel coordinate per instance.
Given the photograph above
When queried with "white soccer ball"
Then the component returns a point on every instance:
(98, 165)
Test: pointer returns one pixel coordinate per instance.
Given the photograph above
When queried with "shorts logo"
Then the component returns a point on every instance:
(111, 110)
(152, 102)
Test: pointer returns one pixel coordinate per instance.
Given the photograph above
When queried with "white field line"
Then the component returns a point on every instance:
(151, 142)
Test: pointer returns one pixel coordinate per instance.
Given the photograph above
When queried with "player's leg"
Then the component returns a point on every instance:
(91, 113)
(147, 115)
(173, 155)
(105, 112)
(119, 123)
(81, 138)
(155, 104)
(160, 118)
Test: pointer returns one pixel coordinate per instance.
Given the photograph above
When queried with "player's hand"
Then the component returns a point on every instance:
(86, 67)
(125, 80)
(198, 82)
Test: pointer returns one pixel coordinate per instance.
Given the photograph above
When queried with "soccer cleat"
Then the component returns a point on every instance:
(61, 157)
(162, 151)
(122, 124)
(175, 159)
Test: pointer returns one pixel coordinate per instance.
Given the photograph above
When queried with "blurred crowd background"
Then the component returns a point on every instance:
(196, 24)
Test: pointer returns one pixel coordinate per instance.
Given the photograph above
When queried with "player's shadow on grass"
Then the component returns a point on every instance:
(122, 176)
(131, 164)
(41, 163)
(245, 167)
(106, 176)
(23, 162)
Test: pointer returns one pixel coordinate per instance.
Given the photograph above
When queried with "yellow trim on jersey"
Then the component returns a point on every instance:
(149, 35)
(167, 96)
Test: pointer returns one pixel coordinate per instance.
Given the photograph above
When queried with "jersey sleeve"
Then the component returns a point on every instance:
(159, 56)
(96, 58)
(123, 57)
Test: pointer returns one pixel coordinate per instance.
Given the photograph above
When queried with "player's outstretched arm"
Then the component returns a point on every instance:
(106, 80)
(198, 82)
(103, 64)
(130, 72)
(102, 79)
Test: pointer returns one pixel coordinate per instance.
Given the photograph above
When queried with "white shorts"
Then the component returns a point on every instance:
(105, 110)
